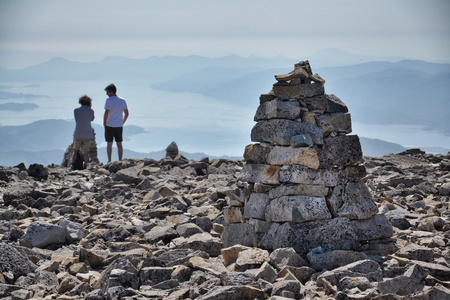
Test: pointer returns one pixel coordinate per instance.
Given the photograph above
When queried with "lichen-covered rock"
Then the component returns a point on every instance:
(277, 109)
(297, 209)
(280, 131)
(298, 91)
(353, 201)
(293, 156)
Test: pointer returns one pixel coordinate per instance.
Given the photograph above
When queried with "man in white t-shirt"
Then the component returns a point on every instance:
(116, 113)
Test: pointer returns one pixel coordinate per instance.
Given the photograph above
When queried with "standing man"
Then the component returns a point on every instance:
(83, 133)
(116, 113)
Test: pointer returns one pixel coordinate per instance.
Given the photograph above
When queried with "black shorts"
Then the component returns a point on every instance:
(113, 133)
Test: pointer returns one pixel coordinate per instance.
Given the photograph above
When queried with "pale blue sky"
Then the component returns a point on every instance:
(32, 32)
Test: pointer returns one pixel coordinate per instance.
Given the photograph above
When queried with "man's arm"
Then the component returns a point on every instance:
(105, 117)
(125, 117)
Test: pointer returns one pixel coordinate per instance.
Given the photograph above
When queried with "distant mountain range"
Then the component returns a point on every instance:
(405, 92)
(376, 90)
(45, 142)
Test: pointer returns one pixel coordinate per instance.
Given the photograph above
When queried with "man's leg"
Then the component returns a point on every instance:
(109, 150)
(119, 149)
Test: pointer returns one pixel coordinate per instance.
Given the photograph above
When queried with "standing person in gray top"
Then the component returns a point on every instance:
(116, 114)
(83, 134)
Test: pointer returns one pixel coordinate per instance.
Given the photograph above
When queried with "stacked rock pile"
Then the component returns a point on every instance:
(304, 175)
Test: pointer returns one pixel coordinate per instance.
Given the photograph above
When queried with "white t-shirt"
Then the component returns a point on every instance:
(116, 106)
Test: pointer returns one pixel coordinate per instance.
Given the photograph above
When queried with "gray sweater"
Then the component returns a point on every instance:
(83, 118)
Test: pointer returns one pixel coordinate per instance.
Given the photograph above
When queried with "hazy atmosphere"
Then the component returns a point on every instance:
(192, 71)
(32, 32)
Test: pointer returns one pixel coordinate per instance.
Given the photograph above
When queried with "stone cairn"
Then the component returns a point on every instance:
(93, 156)
(302, 183)
(172, 150)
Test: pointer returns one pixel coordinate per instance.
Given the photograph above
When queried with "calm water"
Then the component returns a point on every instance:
(197, 123)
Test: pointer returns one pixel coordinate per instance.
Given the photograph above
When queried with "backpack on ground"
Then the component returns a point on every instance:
(78, 164)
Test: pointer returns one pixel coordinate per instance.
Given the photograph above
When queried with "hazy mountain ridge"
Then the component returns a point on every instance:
(396, 96)
(153, 68)
(46, 141)
(17, 106)
(243, 86)
(47, 135)
(404, 92)
(9, 95)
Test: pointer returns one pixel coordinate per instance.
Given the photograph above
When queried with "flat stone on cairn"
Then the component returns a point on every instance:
(304, 175)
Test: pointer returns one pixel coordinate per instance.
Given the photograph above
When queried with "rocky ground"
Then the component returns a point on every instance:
(146, 229)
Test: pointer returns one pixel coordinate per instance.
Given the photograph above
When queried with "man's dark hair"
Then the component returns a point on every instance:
(111, 88)
(85, 100)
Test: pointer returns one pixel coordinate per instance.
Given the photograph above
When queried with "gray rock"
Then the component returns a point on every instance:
(266, 272)
(256, 153)
(172, 150)
(236, 278)
(297, 209)
(326, 103)
(374, 228)
(161, 233)
(256, 205)
(38, 171)
(74, 231)
(293, 286)
(265, 174)
(202, 242)
(353, 201)
(188, 229)
(341, 150)
(365, 268)
(298, 91)
(128, 175)
(240, 292)
(251, 259)
(409, 283)
(333, 234)
(11, 260)
(398, 219)
(444, 189)
(303, 175)
(301, 140)
(283, 257)
(239, 233)
(154, 275)
(41, 234)
(298, 189)
(334, 123)
(436, 270)
(334, 259)
(280, 132)
(416, 252)
(277, 109)
(293, 156)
